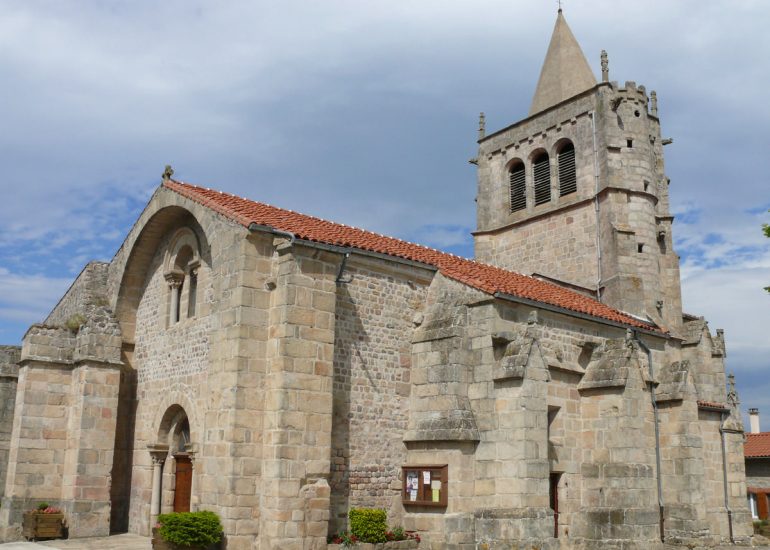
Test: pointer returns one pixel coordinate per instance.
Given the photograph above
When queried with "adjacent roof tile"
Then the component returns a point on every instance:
(487, 278)
(757, 445)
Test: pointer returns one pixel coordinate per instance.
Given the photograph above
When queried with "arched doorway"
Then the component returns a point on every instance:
(173, 442)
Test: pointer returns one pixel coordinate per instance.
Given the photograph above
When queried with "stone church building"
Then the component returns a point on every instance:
(279, 369)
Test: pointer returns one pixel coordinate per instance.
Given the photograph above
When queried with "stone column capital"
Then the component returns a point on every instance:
(158, 453)
(174, 278)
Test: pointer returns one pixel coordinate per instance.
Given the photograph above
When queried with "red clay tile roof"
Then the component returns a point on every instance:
(487, 278)
(757, 445)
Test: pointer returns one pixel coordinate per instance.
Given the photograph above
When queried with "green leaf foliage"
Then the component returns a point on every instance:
(190, 528)
(369, 524)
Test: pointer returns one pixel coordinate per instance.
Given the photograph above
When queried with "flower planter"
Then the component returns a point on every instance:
(42, 526)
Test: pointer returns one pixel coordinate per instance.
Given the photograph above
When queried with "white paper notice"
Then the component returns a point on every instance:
(426, 478)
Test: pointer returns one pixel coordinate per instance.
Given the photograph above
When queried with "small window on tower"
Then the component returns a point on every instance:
(640, 247)
(541, 168)
(629, 143)
(517, 188)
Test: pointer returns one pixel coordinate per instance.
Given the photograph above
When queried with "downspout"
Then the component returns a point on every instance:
(725, 416)
(341, 271)
(657, 434)
(596, 210)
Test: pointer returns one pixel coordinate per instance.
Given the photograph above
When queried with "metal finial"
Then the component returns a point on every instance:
(605, 67)
(167, 173)
(559, 2)
(654, 103)
(482, 125)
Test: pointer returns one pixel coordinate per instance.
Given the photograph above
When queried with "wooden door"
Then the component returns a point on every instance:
(183, 485)
(762, 505)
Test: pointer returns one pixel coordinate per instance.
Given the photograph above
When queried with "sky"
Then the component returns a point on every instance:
(365, 113)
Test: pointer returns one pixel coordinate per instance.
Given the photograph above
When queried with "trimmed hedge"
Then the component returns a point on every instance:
(369, 524)
(190, 528)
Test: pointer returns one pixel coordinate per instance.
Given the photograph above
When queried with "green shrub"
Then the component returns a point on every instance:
(368, 524)
(42, 506)
(190, 528)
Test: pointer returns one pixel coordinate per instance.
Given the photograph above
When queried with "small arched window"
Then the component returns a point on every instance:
(518, 188)
(567, 174)
(181, 273)
(541, 169)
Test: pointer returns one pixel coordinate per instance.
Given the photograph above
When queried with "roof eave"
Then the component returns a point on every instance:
(578, 314)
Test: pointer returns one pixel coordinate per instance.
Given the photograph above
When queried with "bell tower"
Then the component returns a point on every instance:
(576, 192)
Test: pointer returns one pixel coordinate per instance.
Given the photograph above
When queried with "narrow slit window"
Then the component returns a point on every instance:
(177, 302)
(542, 174)
(518, 188)
(567, 173)
(640, 247)
(192, 291)
(629, 143)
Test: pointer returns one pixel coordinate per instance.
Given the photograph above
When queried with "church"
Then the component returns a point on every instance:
(280, 369)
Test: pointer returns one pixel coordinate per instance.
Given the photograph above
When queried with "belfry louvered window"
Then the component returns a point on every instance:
(542, 174)
(518, 188)
(567, 175)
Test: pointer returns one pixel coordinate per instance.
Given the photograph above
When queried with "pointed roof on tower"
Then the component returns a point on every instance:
(565, 71)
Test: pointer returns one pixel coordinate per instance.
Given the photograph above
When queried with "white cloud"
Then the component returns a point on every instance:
(29, 298)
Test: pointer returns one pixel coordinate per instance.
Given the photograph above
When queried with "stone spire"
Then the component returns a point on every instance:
(565, 71)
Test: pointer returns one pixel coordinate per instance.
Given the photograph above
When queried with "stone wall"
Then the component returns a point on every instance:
(758, 472)
(9, 374)
(375, 314)
(562, 246)
(89, 288)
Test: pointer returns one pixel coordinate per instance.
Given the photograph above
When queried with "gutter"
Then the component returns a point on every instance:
(255, 227)
(661, 507)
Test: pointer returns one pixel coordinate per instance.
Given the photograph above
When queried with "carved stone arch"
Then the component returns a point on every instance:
(559, 145)
(513, 162)
(537, 153)
(183, 250)
(143, 247)
(175, 407)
